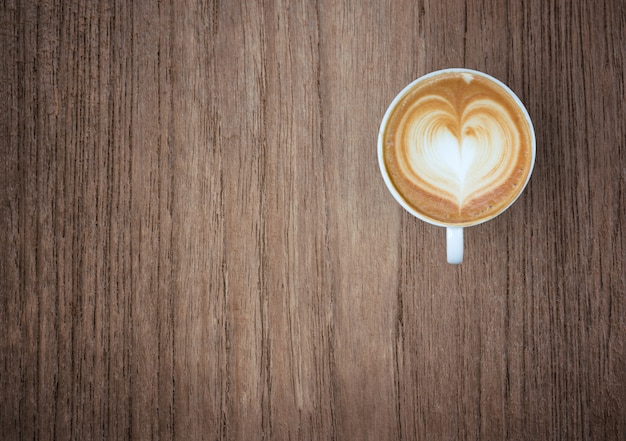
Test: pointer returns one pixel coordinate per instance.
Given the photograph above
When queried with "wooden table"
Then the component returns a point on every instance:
(197, 243)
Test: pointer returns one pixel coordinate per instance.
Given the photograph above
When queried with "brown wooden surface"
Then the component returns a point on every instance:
(196, 242)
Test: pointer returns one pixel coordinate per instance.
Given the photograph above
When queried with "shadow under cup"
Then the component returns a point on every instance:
(456, 148)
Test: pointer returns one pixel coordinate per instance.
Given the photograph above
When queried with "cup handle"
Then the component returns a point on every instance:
(454, 240)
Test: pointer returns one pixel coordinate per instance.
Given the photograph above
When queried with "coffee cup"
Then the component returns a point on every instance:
(456, 148)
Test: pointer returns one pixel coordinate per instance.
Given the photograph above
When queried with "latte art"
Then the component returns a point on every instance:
(458, 149)
(464, 155)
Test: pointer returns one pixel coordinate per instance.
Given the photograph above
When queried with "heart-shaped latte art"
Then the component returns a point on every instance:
(458, 154)
(457, 148)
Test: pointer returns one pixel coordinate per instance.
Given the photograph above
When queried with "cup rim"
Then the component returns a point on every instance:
(381, 161)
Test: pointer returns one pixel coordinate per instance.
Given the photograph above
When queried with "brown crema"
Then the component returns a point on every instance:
(458, 148)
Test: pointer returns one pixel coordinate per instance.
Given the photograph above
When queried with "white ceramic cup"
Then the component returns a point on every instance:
(454, 234)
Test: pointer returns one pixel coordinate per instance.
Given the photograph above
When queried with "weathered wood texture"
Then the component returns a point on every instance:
(196, 242)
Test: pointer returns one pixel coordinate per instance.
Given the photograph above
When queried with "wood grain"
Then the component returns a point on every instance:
(197, 243)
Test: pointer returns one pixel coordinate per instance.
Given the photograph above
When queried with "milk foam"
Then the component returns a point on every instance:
(458, 148)
(467, 77)
(458, 156)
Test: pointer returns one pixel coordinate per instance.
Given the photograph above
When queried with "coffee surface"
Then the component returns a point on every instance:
(458, 148)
